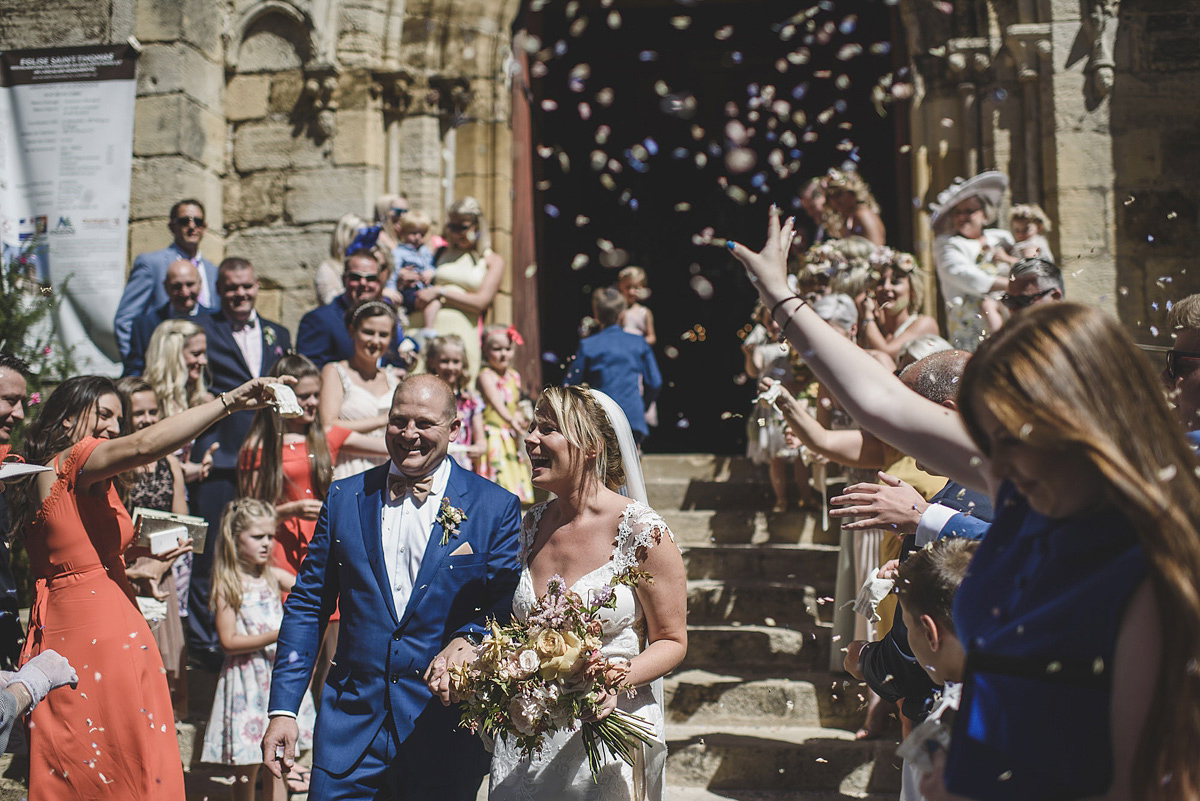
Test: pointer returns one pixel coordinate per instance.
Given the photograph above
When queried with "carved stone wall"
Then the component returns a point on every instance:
(283, 114)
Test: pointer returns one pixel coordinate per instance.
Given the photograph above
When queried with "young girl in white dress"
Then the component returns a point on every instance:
(583, 452)
(248, 609)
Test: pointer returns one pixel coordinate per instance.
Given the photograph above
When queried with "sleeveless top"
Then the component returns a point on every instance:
(359, 404)
(1038, 615)
(154, 490)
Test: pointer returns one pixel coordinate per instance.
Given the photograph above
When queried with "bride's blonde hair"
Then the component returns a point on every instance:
(585, 425)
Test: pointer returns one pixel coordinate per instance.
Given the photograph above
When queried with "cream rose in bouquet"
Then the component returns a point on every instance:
(543, 676)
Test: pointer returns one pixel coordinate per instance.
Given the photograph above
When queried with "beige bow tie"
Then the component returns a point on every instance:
(399, 486)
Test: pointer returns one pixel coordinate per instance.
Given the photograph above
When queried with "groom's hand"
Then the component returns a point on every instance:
(437, 675)
(279, 745)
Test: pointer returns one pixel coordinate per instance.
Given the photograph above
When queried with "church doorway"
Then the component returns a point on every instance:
(658, 123)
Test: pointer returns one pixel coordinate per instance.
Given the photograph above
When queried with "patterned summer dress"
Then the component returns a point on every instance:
(239, 714)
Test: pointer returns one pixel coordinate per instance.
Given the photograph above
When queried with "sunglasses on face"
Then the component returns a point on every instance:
(183, 222)
(399, 212)
(1173, 357)
(458, 228)
(1014, 302)
(369, 277)
(967, 212)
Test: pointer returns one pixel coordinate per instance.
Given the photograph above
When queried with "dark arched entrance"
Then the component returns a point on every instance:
(632, 105)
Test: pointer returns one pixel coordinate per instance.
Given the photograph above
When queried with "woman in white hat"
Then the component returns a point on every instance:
(971, 259)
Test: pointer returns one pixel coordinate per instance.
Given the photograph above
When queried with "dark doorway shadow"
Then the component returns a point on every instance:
(632, 125)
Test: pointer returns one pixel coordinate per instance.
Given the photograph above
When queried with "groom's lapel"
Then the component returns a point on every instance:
(435, 552)
(370, 515)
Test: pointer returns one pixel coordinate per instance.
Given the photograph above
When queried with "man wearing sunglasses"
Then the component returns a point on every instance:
(1181, 376)
(1031, 282)
(145, 291)
(322, 335)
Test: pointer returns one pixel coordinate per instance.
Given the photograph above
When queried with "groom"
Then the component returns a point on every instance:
(412, 586)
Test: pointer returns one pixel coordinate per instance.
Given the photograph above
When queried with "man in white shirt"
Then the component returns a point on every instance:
(417, 555)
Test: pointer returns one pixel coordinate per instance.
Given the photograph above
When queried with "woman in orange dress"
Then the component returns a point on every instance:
(113, 737)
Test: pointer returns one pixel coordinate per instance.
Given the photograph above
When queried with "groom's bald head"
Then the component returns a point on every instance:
(422, 423)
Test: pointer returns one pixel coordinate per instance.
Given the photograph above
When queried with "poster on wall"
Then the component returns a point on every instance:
(66, 155)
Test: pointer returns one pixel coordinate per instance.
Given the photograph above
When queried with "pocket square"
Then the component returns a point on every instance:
(463, 550)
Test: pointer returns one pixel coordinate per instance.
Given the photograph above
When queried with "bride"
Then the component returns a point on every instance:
(582, 451)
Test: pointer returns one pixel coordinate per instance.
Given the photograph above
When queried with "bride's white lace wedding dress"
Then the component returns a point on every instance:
(560, 772)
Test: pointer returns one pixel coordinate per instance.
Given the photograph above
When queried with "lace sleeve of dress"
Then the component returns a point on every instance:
(529, 527)
(640, 527)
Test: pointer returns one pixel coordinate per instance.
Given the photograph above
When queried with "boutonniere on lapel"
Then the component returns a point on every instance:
(269, 335)
(449, 517)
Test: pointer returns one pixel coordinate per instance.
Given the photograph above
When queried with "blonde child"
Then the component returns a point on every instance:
(414, 269)
(637, 319)
(446, 357)
(248, 610)
(1029, 226)
(503, 423)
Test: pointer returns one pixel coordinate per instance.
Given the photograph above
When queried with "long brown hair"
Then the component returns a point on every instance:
(266, 436)
(1067, 376)
(49, 435)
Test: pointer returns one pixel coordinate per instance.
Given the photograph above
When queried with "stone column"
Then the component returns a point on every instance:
(179, 127)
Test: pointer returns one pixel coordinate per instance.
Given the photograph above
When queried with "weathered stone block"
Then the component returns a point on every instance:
(1085, 221)
(288, 258)
(247, 97)
(324, 195)
(255, 199)
(359, 138)
(146, 236)
(286, 88)
(158, 181)
(179, 68)
(1137, 156)
(274, 41)
(178, 125)
(67, 23)
(197, 22)
(273, 145)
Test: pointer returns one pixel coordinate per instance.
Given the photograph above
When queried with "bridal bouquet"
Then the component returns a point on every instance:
(540, 677)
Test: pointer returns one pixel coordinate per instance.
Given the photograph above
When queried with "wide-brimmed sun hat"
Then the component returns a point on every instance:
(989, 185)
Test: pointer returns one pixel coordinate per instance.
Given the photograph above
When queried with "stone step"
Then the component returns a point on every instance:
(702, 698)
(788, 604)
(726, 648)
(777, 758)
(813, 564)
(747, 526)
(697, 466)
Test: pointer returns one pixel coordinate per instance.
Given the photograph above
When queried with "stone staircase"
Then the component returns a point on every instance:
(754, 712)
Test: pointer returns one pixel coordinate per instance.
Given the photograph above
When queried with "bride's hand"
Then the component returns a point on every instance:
(768, 268)
(606, 704)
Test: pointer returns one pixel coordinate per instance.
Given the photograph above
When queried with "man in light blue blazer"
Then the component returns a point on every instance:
(417, 554)
(144, 291)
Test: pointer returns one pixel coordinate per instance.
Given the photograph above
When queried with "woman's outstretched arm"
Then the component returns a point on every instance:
(874, 397)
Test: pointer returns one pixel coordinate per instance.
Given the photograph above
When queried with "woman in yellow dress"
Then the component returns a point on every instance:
(466, 279)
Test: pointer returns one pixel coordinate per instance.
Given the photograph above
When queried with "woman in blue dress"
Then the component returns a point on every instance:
(1081, 610)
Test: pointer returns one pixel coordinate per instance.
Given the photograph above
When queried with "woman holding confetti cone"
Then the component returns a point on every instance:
(113, 738)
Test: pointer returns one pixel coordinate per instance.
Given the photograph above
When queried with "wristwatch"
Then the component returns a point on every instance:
(473, 637)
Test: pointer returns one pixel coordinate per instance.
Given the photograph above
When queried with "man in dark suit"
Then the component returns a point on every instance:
(415, 589)
(144, 291)
(183, 300)
(619, 364)
(322, 335)
(241, 346)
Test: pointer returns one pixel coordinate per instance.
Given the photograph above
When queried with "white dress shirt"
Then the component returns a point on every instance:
(406, 528)
(250, 343)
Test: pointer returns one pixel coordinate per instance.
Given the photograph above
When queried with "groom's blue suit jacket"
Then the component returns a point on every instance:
(382, 652)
